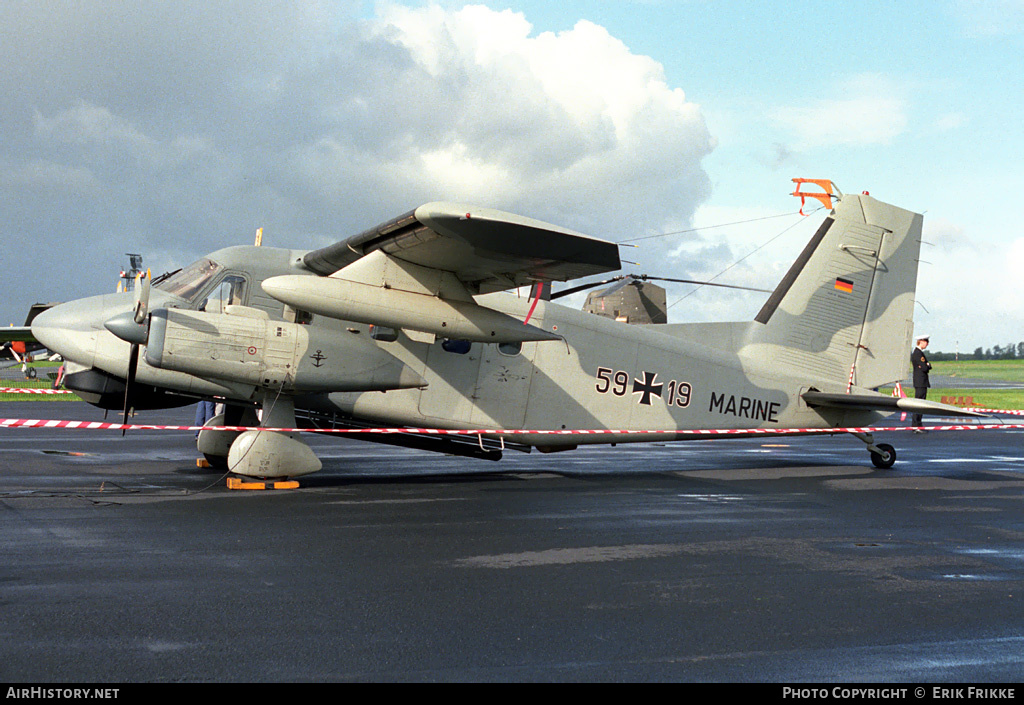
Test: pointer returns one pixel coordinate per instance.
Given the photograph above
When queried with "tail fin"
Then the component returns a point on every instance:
(844, 311)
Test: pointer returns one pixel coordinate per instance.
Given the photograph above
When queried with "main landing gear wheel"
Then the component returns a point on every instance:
(218, 462)
(886, 458)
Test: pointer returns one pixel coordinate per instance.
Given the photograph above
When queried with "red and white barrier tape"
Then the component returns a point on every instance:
(41, 390)
(30, 390)
(998, 412)
(103, 425)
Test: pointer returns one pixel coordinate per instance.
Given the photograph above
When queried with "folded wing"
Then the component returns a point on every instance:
(487, 250)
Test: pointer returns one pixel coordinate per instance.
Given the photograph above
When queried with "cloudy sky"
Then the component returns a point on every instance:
(172, 129)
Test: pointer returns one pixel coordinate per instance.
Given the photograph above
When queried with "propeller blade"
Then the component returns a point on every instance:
(142, 284)
(584, 287)
(624, 282)
(624, 279)
(694, 281)
(133, 365)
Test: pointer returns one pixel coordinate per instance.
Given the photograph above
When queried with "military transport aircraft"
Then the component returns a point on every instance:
(18, 343)
(411, 324)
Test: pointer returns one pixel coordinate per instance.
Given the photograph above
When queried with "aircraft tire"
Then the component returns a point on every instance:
(886, 461)
(31, 373)
(219, 462)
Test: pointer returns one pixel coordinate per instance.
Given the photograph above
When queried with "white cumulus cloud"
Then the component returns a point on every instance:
(472, 105)
(179, 133)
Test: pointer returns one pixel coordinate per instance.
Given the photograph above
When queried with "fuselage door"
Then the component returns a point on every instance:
(450, 373)
(503, 384)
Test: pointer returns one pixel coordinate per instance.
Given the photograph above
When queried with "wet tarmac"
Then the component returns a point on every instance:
(764, 560)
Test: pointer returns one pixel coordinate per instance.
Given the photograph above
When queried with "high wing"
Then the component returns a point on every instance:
(423, 270)
(488, 250)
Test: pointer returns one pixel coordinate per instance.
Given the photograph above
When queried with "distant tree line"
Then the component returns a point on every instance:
(1010, 351)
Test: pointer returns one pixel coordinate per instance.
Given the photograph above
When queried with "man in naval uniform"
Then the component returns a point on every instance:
(922, 367)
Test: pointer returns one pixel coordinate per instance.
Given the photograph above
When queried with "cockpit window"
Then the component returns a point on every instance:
(190, 281)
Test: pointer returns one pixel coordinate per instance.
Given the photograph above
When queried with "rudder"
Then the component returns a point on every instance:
(844, 311)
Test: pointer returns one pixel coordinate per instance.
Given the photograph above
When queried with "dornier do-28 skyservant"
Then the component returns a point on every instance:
(411, 324)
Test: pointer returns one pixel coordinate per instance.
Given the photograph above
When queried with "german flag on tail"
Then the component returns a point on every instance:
(844, 285)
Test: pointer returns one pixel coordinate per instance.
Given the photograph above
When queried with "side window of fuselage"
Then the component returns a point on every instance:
(510, 349)
(294, 315)
(229, 292)
(459, 347)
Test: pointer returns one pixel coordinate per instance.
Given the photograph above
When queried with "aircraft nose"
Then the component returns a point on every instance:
(69, 329)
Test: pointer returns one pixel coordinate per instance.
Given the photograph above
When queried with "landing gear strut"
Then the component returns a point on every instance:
(214, 444)
(883, 455)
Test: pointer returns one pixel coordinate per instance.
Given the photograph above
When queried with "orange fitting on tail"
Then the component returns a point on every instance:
(825, 198)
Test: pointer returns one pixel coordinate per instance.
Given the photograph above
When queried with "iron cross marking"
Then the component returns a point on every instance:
(647, 387)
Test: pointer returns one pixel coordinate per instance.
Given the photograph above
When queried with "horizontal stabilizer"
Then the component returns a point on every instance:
(881, 402)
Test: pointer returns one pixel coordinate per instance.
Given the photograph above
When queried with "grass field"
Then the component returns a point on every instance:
(12, 377)
(988, 370)
(1001, 370)
(980, 398)
(982, 370)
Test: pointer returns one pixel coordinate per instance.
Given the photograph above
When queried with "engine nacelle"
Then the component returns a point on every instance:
(244, 345)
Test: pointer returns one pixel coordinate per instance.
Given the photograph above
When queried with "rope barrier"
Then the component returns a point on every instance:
(709, 432)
